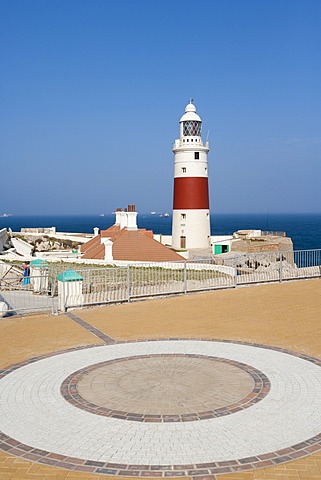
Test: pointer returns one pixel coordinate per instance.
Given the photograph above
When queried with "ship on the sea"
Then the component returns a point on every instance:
(6, 215)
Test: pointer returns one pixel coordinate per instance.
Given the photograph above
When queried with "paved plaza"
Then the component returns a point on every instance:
(223, 385)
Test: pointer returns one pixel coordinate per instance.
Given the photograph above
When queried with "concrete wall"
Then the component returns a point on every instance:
(164, 239)
(46, 231)
(75, 237)
(23, 248)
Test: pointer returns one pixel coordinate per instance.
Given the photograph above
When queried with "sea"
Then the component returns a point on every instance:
(304, 229)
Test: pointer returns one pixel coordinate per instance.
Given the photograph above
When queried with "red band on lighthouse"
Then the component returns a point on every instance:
(191, 193)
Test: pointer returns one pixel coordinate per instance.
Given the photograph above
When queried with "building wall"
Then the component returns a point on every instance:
(221, 243)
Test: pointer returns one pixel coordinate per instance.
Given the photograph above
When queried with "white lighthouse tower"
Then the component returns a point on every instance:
(191, 214)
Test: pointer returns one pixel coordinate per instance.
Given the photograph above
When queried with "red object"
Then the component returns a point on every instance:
(191, 193)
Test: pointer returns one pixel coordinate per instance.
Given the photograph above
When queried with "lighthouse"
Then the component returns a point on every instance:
(191, 213)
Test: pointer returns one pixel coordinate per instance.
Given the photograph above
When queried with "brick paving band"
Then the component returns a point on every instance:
(108, 340)
(278, 457)
(70, 392)
(199, 470)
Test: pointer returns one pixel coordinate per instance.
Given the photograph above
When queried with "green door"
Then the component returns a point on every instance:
(217, 249)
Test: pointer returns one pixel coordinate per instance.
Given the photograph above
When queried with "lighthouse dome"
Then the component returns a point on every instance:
(190, 108)
(190, 114)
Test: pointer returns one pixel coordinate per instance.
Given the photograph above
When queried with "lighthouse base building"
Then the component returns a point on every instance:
(191, 213)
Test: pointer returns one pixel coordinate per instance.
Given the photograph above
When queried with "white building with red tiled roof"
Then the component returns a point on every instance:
(124, 241)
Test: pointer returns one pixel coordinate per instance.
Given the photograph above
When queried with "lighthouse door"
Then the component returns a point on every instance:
(183, 242)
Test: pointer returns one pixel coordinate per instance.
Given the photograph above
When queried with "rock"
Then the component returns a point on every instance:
(3, 309)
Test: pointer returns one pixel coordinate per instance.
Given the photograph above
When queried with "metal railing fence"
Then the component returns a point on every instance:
(104, 285)
(274, 266)
(139, 280)
(35, 293)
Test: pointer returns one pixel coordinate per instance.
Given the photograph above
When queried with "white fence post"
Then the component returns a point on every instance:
(185, 277)
(235, 271)
(128, 283)
(281, 273)
(54, 310)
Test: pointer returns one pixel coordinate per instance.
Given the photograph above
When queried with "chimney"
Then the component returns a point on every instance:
(96, 231)
(123, 219)
(108, 249)
(131, 207)
(118, 216)
(132, 218)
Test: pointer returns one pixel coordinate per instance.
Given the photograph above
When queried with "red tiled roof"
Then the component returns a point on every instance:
(129, 245)
(110, 232)
(93, 249)
(139, 245)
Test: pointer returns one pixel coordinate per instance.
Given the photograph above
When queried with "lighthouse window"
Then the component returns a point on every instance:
(184, 169)
(192, 128)
(183, 216)
(196, 155)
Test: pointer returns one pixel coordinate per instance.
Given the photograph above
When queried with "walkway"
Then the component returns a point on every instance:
(224, 385)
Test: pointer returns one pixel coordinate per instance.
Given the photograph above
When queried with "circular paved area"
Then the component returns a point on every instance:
(166, 387)
(283, 425)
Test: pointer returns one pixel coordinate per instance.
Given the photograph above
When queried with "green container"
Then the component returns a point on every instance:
(69, 276)
(38, 263)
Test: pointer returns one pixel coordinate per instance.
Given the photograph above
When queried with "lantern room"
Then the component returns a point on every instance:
(190, 123)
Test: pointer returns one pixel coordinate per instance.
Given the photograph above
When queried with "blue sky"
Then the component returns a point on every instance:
(92, 92)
